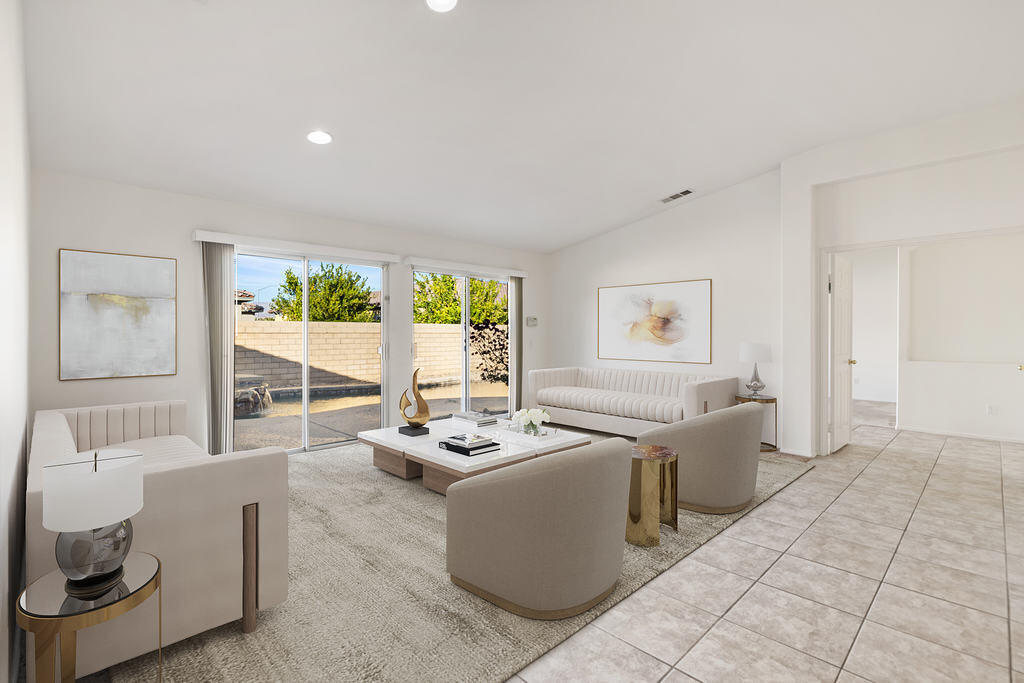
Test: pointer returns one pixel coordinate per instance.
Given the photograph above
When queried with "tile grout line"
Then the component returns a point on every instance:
(1006, 559)
(781, 554)
(882, 580)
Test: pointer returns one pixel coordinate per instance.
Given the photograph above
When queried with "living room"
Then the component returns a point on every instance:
(448, 340)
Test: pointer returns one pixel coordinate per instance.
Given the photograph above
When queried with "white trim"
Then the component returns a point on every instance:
(963, 435)
(248, 243)
(927, 239)
(455, 268)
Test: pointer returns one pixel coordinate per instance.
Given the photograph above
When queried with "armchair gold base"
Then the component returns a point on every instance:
(528, 612)
(713, 511)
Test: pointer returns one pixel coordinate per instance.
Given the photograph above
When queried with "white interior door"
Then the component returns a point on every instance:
(842, 347)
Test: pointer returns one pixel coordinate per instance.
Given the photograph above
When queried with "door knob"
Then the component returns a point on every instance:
(852, 362)
(1021, 368)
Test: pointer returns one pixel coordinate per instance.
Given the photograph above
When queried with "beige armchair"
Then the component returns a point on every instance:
(718, 457)
(544, 538)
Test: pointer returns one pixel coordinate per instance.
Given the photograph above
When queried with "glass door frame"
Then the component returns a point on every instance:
(465, 400)
(305, 258)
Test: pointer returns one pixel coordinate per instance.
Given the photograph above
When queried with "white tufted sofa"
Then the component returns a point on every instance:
(625, 402)
(191, 520)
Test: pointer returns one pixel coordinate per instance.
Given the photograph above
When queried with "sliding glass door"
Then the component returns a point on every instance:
(438, 337)
(488, 346)
(461, 340)
(308, 363)
(268, 355)
(344, 351)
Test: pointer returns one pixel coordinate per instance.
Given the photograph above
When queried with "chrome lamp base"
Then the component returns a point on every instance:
(91, 560)
(755, 385)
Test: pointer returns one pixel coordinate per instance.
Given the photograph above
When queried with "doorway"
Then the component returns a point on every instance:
(863, 342)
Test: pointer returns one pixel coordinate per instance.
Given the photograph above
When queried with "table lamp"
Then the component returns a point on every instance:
(89, 502)
(751, 352)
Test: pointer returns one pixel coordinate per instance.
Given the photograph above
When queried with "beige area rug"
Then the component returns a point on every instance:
(369, 598)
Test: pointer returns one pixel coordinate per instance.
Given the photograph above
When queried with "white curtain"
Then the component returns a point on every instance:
(218, 287)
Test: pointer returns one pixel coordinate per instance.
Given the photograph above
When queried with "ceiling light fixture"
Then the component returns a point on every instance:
(442, 5)
(319, 137)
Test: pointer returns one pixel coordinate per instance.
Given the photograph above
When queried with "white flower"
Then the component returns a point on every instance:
(537, 416)
(519, 417)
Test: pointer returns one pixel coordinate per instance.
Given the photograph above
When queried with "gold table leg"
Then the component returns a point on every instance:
(46, 650)
(668, 498)
(644, 513)
(160, 629)
(68, 642)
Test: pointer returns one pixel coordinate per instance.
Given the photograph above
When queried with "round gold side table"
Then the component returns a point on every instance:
(47, 611)
(766, 400)
(652, 494)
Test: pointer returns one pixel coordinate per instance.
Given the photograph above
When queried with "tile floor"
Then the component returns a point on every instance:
(899, 558)
(876, 413)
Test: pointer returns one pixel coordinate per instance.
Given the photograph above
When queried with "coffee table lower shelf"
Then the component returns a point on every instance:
(435, 477)
(394, 462)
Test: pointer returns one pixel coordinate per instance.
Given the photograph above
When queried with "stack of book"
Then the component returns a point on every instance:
(471, 419)
(469, 444)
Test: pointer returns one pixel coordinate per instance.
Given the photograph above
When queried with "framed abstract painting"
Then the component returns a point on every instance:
(117, 315)
(662, 321)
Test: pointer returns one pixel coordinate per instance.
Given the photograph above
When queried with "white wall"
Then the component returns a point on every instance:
(980, 192)
(965, 300)
(806, 228)
(730, 236)
(14, 338)
(875, 323)
(76, 212)
(964, 337)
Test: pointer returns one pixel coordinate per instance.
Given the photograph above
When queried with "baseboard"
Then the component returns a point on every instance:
(962, 435)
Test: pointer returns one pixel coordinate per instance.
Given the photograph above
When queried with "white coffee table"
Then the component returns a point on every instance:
(420, 456)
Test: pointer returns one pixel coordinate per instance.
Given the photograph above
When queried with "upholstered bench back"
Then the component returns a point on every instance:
(636, 381)
(110, 425)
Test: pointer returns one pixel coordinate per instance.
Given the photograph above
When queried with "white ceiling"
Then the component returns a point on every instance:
(516, 122)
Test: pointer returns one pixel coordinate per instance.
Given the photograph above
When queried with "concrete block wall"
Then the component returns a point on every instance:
(339, 353)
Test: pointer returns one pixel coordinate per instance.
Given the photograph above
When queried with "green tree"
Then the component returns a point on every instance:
(487, 303)
(437, 299)
(336, 294)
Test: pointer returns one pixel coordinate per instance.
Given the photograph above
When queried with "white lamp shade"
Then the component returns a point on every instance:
(76, 498)
(751, 352)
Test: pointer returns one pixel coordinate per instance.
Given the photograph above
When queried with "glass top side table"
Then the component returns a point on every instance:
(766, 400)
(47, 611)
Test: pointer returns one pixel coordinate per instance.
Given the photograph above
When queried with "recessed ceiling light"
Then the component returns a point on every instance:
(442, 5)
(319, 137)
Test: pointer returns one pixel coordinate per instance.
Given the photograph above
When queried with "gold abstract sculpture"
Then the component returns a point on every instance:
(422, 415)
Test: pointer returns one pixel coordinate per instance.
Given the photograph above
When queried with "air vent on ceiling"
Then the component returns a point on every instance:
(677, 195)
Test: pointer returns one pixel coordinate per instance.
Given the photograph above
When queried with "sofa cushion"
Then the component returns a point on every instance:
(624, 404)
(159, 450)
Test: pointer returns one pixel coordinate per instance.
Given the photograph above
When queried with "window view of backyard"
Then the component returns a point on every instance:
(439, 334)
(344, 336)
